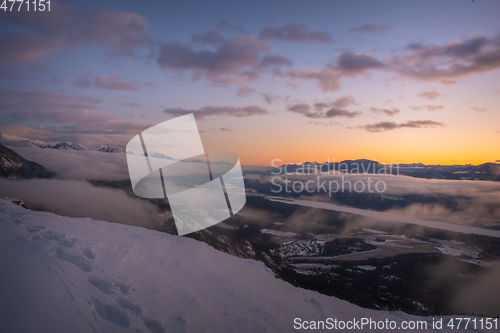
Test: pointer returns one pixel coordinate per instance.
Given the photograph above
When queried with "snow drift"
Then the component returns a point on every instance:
(61, 274)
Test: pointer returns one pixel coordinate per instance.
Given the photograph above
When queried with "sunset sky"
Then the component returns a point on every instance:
(395, 81)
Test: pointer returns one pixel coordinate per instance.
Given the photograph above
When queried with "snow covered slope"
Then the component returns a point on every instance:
(62, 274)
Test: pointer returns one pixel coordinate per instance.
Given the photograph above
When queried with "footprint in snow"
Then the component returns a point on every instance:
(76, 260)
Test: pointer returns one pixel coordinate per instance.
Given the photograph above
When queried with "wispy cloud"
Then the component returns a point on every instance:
(66, 114)
(427, 107)
(431, 94)
(62, 117)
(478, 109)
(129, 104)
(84, 122)
(27, 132)
(389, 125)
(269, 98)
(52, 134)
(244, 90)
(106, 82)
(294, 33)
(326, 110)
(219, 111)
(389, 112)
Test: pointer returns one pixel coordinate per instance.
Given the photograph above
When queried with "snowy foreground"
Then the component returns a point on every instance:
(60, 274)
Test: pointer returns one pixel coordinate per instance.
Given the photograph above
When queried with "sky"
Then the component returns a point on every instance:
(296, 81)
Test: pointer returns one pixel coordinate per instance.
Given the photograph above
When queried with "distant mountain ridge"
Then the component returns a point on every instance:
(485, 171)
(16, 141)
(14, 166)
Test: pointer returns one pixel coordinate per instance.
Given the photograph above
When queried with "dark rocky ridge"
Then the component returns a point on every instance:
(14, 166)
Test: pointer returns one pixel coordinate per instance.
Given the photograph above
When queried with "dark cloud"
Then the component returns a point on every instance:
(369, 28)
(275, 60)
(232, 60)
(320, 106)
(449, 61)
(497, 161)
(336, 112)
(302, 108)
(357, 62)
(439, 63)
(432, 94)
(45, 100)
(389, 112)
(218, 111)
(294, 33)
(427, 107)
(348, 65)
(389, 125)
(326, 110)
(39, 34)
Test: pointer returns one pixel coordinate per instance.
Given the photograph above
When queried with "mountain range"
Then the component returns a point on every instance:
(13, 140)
(485, 171)
(14, 166)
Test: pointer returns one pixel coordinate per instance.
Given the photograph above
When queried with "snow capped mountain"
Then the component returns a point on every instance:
(13, 140)
(61, 274)
(156, 154)
(8, 139)
(105, 148)
(14, 166)
(65, 145)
